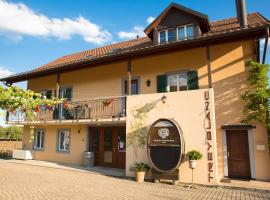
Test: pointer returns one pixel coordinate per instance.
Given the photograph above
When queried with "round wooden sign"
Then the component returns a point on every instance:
(165, 145)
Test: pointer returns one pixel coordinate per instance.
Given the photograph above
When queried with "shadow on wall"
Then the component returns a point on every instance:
(137, 137)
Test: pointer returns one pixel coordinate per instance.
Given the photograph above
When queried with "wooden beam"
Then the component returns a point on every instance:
(129, 78)
(209, 70)
(57, 89)
(265, 45)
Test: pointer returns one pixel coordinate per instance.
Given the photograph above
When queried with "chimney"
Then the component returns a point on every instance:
(241, 12)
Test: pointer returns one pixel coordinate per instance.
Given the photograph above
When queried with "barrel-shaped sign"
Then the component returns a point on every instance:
(165, 145)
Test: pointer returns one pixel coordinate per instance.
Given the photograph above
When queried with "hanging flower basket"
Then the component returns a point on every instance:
(107, 102)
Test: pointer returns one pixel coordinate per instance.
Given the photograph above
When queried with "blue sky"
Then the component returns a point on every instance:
(34, 32)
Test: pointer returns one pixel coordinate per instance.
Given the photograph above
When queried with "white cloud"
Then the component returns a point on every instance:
(18, 20)
(4, 72)
(150, 19)
(136, 30)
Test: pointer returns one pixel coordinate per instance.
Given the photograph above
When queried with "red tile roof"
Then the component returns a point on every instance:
(216, 28)
(254, 19)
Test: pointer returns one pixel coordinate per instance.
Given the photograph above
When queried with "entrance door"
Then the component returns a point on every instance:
(108, 145)
(238, 154)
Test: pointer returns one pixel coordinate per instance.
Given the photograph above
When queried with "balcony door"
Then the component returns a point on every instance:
(108, 145)
(134, 87)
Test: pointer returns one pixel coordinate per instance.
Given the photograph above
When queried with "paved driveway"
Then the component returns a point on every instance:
(19, 181)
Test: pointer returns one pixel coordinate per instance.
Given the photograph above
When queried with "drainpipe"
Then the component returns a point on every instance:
(57, 86)
(129, 78)
(265, 45)
(209, 70)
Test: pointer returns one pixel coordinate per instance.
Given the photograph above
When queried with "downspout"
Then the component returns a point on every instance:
(265, 45)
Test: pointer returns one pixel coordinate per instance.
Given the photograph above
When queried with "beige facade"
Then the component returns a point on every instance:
(188, 109)
(229, 80)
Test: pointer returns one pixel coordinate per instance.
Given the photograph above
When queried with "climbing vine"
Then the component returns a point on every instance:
(256, 96)
(14, 98)
(137, 137)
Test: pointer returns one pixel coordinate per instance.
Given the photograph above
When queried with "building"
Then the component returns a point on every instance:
(187, 73)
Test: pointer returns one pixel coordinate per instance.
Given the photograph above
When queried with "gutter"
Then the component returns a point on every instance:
(221, 37)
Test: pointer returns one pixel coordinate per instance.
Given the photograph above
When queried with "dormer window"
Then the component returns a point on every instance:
(185, 32)
(166, 36)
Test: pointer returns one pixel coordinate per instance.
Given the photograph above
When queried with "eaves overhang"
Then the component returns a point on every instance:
(204, 40)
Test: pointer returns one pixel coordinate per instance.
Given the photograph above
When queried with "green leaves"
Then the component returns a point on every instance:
(14, 98)
(256, 96)
(194, 155)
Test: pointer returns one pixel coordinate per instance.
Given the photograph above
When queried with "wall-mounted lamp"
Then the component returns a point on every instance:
(148, 83)
(163, 99)
(79, 130)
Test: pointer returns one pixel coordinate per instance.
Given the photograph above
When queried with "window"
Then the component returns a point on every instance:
(166, 36)
(61, 112)
(63, 140)
(39, 137)
(190, 32)
(185, 32)
(162, 37)
(134, 86)
(66, 93)
(46, 94)
(177, 82)
(170, 35)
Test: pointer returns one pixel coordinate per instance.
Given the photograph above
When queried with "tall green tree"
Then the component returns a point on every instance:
(256, 96)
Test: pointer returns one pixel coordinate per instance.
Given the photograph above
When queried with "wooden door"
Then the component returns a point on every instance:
(121, 147)
(108, 145)
(108, 150)
(94, 144)
(238, 154)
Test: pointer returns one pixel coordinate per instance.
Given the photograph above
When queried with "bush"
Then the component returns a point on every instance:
(6, 154)
(194, 155)
(140, 167)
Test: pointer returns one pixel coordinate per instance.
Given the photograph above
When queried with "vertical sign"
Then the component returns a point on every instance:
(208, 136)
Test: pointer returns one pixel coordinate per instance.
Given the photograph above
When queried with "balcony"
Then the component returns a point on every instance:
(111, 109)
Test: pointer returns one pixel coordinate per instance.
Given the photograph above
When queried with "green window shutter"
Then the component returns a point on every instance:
(193, 80)
(162, 83)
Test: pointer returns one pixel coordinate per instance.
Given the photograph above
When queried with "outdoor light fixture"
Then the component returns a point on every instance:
(163, 99)
(148, 83)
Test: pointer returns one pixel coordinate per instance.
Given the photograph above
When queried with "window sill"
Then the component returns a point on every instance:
(62, 151)
(38, 149)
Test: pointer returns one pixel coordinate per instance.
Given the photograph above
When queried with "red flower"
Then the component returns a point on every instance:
(65, 105)
(37, 108)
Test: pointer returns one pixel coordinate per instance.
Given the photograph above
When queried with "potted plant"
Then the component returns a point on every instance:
(193, 156)
(140, 169)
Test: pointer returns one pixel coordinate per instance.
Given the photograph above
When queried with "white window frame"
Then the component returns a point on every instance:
(178, 85)
(166, 34)
(65, 131)
(41, 141)
(185, 29)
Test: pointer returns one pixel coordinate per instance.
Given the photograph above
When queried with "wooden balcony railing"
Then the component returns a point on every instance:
(106, 108)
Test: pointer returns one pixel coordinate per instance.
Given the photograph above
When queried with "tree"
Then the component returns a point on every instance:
(11, 132)
(256, 96)
(14, 98)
